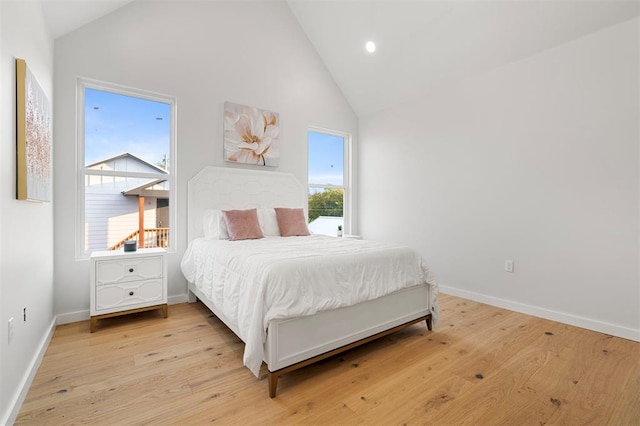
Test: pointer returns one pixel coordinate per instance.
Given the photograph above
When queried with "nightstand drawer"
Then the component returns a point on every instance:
(127, 282)
(125, 270)
(123, 295)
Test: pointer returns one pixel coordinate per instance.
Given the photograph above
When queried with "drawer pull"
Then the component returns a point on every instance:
(130, 293)
(130, 269)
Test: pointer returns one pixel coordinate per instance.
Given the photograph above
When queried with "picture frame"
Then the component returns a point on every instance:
(33, 137)
(251, 135)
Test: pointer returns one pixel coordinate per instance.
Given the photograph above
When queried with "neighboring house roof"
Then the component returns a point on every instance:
(326, 225)
(146, 190)
(126, 155)
(140, 186)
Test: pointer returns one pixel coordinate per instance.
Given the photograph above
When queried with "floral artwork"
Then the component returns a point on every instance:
(251, 135)
(33, 137)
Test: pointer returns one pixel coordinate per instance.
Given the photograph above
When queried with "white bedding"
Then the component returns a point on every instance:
(255, 281)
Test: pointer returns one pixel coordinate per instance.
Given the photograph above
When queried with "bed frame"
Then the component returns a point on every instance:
(290, 345)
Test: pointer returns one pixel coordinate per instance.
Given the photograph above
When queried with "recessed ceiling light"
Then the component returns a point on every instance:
(370, 46)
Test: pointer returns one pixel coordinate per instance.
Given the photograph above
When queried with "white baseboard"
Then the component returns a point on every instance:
(72, 317)
(180, 298)
(575, 320)
(21, 392)
(84, 315)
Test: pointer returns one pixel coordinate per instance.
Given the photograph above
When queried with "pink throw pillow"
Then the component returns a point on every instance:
(291, 222)
(242, 224)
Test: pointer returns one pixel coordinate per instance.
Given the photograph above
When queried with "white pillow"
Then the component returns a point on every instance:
(268, 222)
(215, 227)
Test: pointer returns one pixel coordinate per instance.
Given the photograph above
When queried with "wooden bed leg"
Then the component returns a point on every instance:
(429, 323)
(273, 384)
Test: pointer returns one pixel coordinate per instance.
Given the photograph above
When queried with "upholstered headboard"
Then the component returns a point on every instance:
(227, 188)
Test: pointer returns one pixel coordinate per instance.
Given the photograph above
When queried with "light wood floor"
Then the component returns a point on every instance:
(482, 365)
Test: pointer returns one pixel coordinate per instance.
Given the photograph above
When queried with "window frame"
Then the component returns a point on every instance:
(82, 172)
(346, 171)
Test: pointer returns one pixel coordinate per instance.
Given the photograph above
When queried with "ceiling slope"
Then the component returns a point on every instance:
(421, 44)
(64, 16)
(424, 44)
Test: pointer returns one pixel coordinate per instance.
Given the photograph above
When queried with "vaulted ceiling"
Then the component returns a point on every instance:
(421, 44)
(64, 16)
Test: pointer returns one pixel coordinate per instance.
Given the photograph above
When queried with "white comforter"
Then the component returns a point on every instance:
(255, 281)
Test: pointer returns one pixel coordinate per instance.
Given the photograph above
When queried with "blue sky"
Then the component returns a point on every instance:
(117, 123)
(326, 158)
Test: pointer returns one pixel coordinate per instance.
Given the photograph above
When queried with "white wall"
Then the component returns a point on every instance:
(204, 53)
(537, 162)
(26, 228)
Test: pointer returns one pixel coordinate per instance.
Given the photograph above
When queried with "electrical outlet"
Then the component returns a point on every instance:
(508, 265)
(10, 330)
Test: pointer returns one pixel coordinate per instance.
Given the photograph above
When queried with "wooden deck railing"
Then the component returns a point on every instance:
(153, 237)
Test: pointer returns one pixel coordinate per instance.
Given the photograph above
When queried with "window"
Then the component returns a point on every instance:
(329, 191)
(126, 167)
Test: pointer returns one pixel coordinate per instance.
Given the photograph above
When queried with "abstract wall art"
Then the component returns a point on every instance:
(34, 137)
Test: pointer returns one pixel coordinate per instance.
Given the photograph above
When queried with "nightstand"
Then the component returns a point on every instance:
(127, 282)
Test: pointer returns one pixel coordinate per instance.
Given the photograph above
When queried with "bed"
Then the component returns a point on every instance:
(299, 299)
